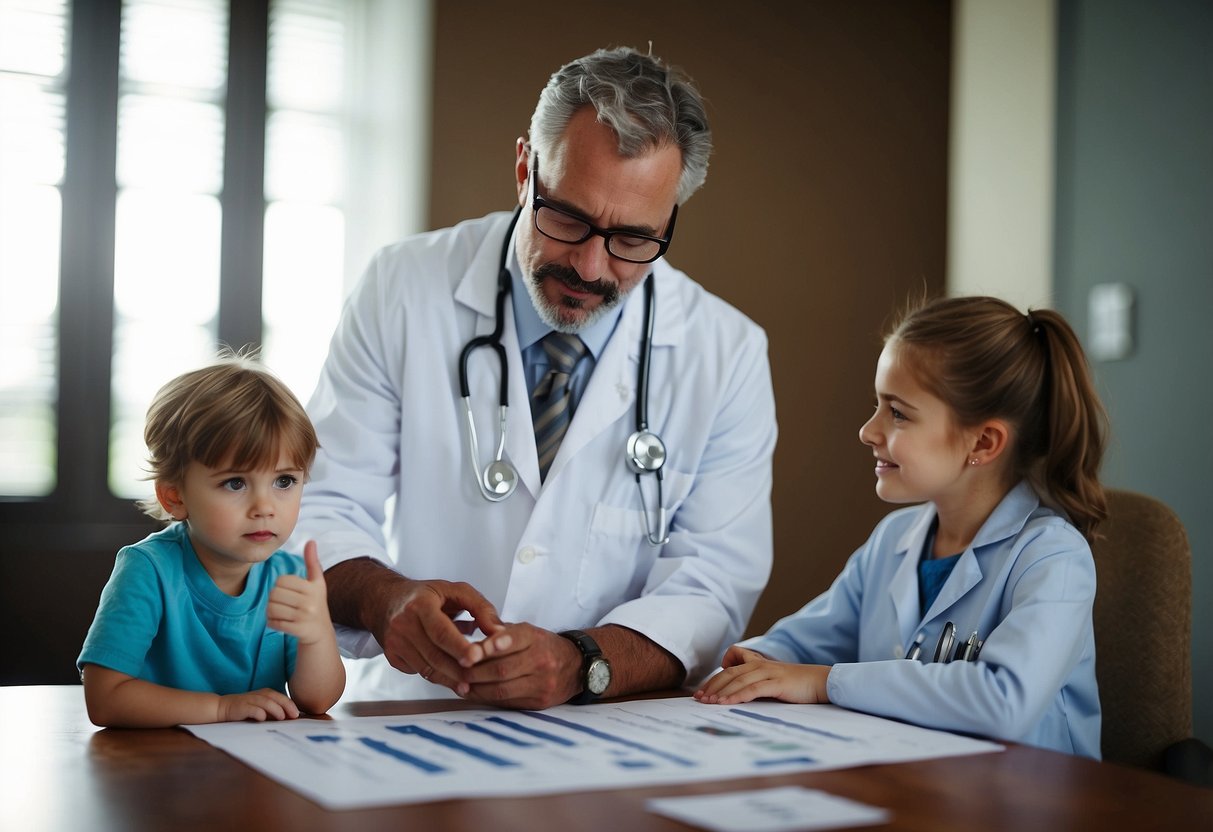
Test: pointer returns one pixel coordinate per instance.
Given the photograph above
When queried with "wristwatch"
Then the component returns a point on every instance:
(595, 669)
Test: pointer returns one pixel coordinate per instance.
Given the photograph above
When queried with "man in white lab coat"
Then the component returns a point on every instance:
(589, 578)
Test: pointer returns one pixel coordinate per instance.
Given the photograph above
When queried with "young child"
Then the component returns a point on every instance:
(989, 418)
(205, 621)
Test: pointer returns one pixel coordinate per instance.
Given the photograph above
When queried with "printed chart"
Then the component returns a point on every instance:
(374, 761)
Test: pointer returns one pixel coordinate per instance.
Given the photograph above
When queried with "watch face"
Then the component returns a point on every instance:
(598, 677)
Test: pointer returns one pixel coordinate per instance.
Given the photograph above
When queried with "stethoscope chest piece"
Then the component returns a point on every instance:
(645, 452)
(500, 479)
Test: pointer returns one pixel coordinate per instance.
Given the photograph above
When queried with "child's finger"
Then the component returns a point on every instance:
(276, 705)
(746, 676)
(734, 656)
(290, 586)
(311, 557)
(278, 611)
(717, 682)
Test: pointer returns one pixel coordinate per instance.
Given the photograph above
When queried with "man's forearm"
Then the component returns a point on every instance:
(361, 592)
(637, 663)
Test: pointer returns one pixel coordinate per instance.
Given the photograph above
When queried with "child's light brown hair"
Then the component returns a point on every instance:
(233, 413)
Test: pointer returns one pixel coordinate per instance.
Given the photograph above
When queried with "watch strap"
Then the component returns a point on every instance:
(589, 652)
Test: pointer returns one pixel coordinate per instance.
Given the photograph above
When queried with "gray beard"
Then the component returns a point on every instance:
(556, 315)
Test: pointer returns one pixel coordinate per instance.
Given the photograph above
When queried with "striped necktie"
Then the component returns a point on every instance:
(551, 403)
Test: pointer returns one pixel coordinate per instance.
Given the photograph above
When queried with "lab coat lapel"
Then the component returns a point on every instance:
(611, 392)
(477, 289)
(478, 292)
(903, 589)
(966, 574)
(1005, 521)
(519, 429)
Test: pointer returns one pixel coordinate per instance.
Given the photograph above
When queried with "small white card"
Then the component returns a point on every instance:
(785, 809)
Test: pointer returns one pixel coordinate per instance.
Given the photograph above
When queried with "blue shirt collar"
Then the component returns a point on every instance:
(530, 326)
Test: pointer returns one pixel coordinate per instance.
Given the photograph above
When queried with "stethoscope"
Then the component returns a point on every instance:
(949, 648)
(644, 453)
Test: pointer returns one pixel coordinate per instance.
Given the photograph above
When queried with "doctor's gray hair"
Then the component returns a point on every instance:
(646, 103)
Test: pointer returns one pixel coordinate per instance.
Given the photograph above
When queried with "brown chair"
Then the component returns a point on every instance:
(1143, 634)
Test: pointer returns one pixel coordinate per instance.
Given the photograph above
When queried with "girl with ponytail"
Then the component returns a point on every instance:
(988, 419)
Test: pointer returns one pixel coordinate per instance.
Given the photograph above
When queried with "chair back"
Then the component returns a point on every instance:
(1143, 629)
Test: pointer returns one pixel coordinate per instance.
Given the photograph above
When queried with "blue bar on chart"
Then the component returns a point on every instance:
(402, 756)
(786, 761)
(603, 735)
(543, 735)
(480, 729)
(774, 721)
(453, 745)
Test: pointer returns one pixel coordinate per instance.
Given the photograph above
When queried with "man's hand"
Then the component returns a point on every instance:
(524, 666)
(528, 667)
(514, 666)
(421, 635)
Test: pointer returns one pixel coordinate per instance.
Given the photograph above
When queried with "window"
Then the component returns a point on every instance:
(305, 188)
(176, 175)
(33, 76)
(172, 87)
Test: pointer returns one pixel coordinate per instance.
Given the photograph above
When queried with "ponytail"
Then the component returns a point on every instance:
(987, 360)
(1076, 428)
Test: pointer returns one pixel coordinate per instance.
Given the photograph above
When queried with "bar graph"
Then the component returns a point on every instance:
(375, 761)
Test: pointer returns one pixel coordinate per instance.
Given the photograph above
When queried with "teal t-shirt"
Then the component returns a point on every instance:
(162, 619)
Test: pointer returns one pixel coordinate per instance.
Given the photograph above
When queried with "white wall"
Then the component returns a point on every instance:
(1000, 214)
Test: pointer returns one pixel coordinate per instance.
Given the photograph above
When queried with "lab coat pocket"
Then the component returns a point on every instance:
(618, 557)
(610, 562)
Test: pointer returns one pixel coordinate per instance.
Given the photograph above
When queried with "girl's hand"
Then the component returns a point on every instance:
(299, 606)
(749, 675)
(259, 705)
(737, 654)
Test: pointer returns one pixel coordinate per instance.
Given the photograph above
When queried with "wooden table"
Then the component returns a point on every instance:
(59, 772)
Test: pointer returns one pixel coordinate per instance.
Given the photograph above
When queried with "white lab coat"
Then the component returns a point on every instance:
(1026, 585)
(573, 552)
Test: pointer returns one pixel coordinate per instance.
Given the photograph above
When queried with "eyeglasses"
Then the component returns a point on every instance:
(565, 227)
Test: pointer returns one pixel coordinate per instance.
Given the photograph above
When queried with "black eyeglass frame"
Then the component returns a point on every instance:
(591, 230)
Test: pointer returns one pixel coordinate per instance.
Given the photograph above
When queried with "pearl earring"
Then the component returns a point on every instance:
(973, 461)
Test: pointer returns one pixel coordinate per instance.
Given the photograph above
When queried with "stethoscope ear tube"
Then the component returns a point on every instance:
(645, 453)
(662, 536)
(499, 478)
(646, 361)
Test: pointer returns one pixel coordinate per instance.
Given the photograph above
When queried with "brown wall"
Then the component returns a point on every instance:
(825, 204)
